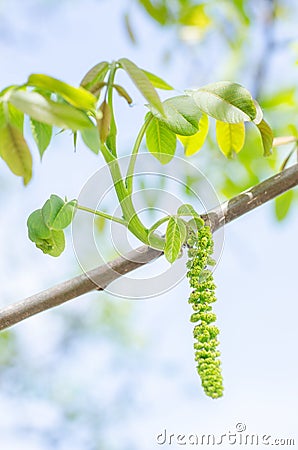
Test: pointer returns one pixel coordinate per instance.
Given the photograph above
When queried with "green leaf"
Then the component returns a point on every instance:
(195, 224)
(52, 246)
(57, 213)
(95, 75)
(15, 152)
(142, 82)
(182, 229)
(283, 204)
(42, 134)
(230, 137)
(283, 97)
(158, 82)
(267, 137)
(181, 115)
(225, 101)
(56, 244)
(192, 144)
(16, 117)
(158, 12)
(51, 241)
(47, 111)
(37, 229)
(187, 210)
(8, 113)
(173, 240)
(2, 114)
(161, 141)
(78, 97)
(195, 16)
(129, 29)
(90, 137)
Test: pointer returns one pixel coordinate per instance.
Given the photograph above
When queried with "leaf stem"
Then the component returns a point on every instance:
(111, 140)
(158, 223)
(133, 158)
(102, 214)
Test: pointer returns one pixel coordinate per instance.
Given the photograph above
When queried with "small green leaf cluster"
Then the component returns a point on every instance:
(45, 225)
(177, 231)
(201, 298)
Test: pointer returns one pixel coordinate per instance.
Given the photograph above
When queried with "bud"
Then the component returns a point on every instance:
(104, 123)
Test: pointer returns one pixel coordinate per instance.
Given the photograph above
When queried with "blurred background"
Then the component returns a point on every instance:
(107, 373)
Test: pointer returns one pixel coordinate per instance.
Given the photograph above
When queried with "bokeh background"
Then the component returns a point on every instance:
(104, 373)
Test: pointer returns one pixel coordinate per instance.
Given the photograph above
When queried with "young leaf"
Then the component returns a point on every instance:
(173, 240)
(94, 75)
(192, 144)
(182, 229)
(230, 137)
(57, 244)
(283, 204)
(97, 87)
(57, 214)
(159, 11)
(54, 245)
(42, 134)
(2, 115)
(16, 117)
(225, 101)
(142, 82)
(37, 229)
(129, 29)
(104, 123)
(8, 113)
(90, 137)
(78, 97)
(158, 82)
(161, 141)
(267, 137)
(123, 93)
(47, 111)
(187, 210)
(181, 115)
(15, 152)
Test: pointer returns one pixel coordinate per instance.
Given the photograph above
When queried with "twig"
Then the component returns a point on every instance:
(100, 277)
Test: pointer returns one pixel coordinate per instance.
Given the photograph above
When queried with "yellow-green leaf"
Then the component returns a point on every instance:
(230, 137)
(267, 137)
(95, 75)
(194, 143)
(181, 115)
(174, 240)
(160, 140)
(158, 82)
(78, 97)
(142, 82)
(283, 204)
(15, 152)
(42, 134)
(47, 111)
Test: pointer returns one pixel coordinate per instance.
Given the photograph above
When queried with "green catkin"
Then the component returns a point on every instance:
(200, 250)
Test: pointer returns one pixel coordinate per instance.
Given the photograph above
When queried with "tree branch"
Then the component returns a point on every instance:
(100, 277)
